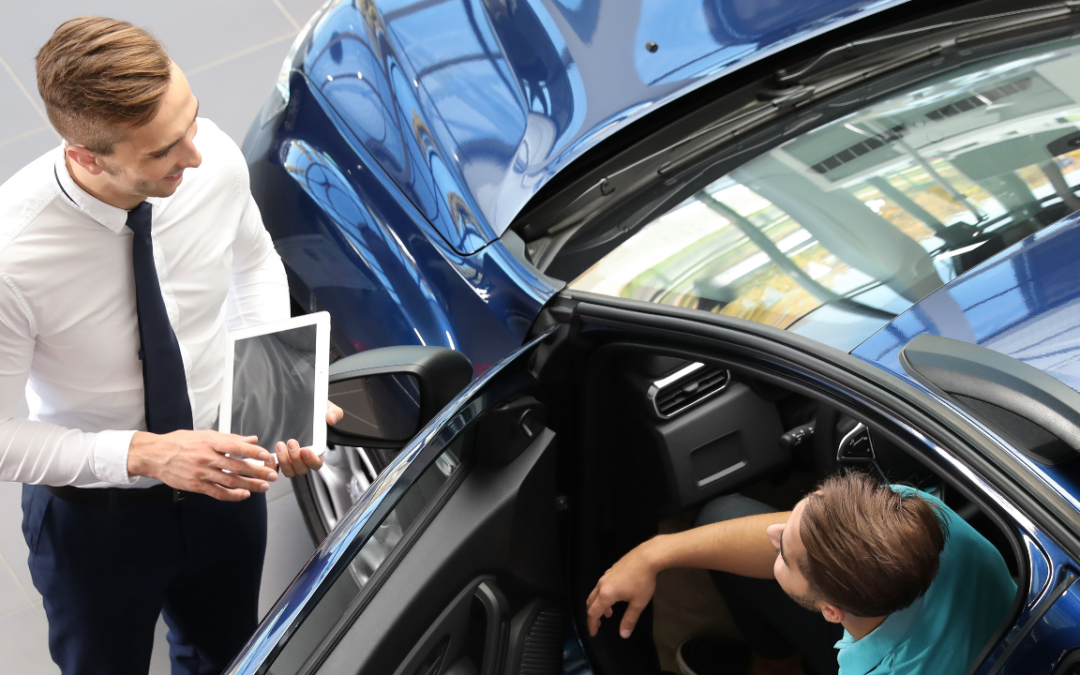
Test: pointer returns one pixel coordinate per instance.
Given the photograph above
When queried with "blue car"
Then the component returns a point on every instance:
(680, 250)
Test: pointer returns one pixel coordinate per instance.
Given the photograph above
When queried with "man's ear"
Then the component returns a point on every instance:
(832, 613)
(85, 158)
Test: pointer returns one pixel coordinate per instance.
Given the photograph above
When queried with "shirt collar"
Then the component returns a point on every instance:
(110, 216)
(858, 657)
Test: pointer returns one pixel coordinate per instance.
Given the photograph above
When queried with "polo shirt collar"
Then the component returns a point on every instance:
(858, 657)
(110, 216)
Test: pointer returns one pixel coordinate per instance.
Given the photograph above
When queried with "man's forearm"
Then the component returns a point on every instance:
(739, 546)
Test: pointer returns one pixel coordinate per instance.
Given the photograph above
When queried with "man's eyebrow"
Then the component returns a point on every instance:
(172, 145)
(782, 556)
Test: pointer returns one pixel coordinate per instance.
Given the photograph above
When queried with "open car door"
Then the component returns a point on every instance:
(474, 550)
(440, 567)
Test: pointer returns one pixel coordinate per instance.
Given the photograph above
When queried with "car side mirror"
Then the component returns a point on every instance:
(389, 394)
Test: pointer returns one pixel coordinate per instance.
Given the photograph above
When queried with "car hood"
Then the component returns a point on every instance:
(472, 106)
(1024, 303)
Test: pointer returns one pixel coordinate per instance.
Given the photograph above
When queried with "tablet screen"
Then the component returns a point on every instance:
(273, 386)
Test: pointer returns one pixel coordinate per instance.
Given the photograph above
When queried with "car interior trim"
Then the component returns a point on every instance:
(859, 378)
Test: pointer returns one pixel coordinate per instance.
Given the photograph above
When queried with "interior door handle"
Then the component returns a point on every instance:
(496, 610)
(450, 646)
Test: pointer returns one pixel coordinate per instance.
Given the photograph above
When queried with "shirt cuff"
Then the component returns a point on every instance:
(111, 457)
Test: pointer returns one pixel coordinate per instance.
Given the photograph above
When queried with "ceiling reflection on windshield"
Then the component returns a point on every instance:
(866, 215)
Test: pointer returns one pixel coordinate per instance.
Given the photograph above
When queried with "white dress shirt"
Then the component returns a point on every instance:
(68, 322)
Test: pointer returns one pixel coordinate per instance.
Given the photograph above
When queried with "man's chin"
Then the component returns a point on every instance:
(163, 188)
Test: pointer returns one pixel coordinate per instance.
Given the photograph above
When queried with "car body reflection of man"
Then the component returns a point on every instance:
(891, 577)
(137, 238)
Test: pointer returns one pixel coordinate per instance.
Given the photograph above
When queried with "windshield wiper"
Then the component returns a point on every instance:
(902, 48)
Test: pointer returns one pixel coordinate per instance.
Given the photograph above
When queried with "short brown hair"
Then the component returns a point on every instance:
(870, 551)
(100, 78)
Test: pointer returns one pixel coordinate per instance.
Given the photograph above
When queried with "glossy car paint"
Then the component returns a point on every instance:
(417, 131)
(1024, 303)
(355, 246)
(472, 106)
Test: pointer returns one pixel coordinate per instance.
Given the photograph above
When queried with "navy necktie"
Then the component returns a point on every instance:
(164, 382)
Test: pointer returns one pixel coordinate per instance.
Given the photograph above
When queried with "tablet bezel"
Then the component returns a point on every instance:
(321, 321)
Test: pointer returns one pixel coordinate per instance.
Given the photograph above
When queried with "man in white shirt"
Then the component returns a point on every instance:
(124, 255)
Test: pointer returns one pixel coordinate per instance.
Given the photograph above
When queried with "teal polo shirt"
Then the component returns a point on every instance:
(943, 631)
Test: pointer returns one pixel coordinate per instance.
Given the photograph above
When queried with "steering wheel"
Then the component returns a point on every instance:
(841, 441)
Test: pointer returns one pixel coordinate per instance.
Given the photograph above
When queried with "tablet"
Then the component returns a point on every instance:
(276, 380)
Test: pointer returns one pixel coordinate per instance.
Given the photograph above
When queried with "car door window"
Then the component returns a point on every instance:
(367, 560)
(845, 226)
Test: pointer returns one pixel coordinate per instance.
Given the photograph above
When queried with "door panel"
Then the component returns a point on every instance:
(501, 521)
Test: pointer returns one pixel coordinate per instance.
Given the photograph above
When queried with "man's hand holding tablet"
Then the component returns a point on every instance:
(292, 460)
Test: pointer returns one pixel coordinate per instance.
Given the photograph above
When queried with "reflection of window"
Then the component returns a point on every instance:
(857, 219)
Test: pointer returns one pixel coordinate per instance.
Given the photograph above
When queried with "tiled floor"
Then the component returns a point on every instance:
(231, 51)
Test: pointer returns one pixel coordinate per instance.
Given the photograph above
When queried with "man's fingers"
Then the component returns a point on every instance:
(333, 413)
(223, 494)
(243, 468)
(298, 464)
(592, 595)
(597, 608)
(234, 481)
(284, 462)
(630, 617)
(311, 460)
(238, 446)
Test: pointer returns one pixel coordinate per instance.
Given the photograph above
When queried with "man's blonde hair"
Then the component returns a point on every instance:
(101, 78)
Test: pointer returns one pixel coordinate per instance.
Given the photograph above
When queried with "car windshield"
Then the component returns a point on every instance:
(835, 232)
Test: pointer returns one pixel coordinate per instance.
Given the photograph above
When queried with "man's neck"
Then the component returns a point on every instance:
(100, 190)
(861, 626)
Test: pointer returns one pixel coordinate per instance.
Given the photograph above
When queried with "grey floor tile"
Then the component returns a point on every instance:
(232, 93)
(16, 154)
(301, 10)
(279, 488)
(24, 643)
(159, 658)
(17, 114)
(197, 33)
(288, 548)
(12, 595)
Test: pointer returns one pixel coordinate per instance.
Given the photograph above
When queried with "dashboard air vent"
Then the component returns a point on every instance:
(687, 387)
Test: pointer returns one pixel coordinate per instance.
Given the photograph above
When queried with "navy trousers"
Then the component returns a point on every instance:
(773, 625)
(105, 573)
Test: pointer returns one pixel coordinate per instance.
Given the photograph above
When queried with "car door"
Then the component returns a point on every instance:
(461, 557)
(438, 567)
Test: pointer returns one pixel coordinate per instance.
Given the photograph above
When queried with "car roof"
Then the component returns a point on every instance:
(504, 96)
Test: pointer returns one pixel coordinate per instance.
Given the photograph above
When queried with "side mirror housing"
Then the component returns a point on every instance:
(389, 394)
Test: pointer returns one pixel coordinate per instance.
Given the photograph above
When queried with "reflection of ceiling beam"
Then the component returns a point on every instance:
(1061, 186)
(786, 264)
(907, 203)
(421, 5)
(457, 60)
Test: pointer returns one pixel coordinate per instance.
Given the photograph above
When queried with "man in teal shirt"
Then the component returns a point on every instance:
(915, 588)
(944, 630)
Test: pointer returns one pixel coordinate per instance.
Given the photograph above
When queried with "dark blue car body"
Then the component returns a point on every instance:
(414, 136)
(386, 198)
